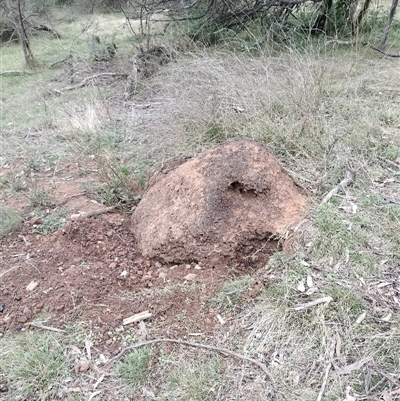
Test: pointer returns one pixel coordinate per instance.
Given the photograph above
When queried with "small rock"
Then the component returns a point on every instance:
(22, 319)
(2, 307)
(157, 265)
(17, 298)
(35, 221)
(109, 233)
(84, 366)
(190, 277)
(112, 265)
(27, 312)
(197, 267)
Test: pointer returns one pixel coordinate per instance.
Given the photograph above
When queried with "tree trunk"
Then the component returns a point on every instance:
(395, 3)
(17, 20)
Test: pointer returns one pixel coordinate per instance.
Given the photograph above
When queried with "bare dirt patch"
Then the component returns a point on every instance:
(91, 271)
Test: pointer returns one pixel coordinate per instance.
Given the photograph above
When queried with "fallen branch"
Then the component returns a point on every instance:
(195, 345)
(88, 80)
(42, 27)
(395, 55)
(350, 177)
(92, 213)
(389, 162)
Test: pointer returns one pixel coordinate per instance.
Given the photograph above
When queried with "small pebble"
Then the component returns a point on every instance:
(17, 298)
(2, 308)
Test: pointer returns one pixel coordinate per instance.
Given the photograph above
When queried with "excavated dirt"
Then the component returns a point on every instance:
(230, 203)
(93, 273)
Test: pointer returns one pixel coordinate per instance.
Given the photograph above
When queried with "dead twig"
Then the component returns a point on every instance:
(389, 162)
(68, 198)
(350, 177)
(7, 271)
(92, 213)
(394, 55)
(195, 345)
(16, 73)
(41, 326)
(324, 300)
(88, 80)
(354, 43)
(60, 61)
(327, 370)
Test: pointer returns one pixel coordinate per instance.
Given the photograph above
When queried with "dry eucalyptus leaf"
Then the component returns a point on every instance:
(361, 318)
(301, 287)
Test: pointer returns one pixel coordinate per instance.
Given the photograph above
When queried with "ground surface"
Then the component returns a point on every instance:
(67, 151)
(91, 270)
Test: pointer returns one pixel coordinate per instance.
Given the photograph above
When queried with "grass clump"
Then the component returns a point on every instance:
(194, 381)
(10, 220)
(33, 365)
(230, 293)
(134, 370)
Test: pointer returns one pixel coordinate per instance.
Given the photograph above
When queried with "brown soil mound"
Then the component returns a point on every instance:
(228, 203)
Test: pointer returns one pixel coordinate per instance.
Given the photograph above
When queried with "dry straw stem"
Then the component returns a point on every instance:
(350, 177)
(327, 370)
(195, 345)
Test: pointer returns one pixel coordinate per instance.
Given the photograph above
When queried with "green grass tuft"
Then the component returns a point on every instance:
(135, 368)
(33, 365)
(10, 220)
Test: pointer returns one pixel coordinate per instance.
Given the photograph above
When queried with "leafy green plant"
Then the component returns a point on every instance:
(52, 222)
